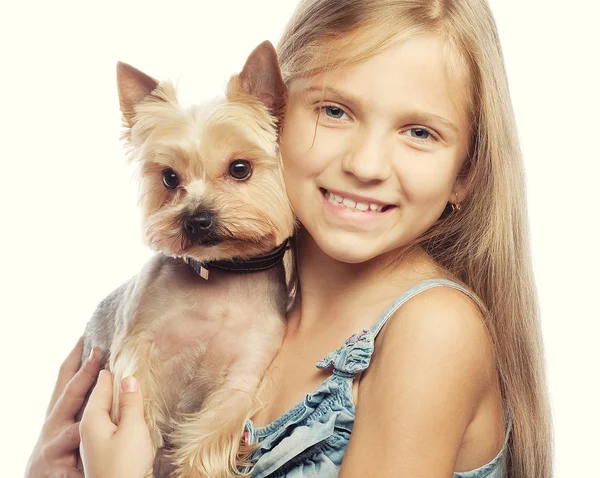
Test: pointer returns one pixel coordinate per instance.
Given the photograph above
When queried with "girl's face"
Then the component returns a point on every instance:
(371, 151)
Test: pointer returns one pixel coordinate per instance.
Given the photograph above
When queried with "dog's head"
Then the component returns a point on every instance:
(211, 178)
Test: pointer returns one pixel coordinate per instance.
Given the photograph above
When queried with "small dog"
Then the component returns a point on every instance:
(200, 324)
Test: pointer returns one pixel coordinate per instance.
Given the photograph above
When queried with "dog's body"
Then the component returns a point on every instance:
(212, 190)
(186, 339)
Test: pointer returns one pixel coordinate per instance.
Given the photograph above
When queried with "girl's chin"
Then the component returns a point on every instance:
(349, 251)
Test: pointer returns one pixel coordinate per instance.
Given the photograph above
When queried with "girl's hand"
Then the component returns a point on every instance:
(109, 450)
(55, 453)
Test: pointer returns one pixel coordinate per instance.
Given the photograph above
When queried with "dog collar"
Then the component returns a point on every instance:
(253, 264)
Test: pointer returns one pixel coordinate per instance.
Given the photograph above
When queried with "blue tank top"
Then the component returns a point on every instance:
(310, 440)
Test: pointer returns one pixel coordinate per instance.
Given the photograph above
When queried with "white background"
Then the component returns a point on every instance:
(70, 225)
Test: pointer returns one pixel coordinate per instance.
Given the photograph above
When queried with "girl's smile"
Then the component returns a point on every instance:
(354, 210)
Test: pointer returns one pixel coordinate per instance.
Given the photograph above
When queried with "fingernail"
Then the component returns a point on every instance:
(94, 354)
(129, 384)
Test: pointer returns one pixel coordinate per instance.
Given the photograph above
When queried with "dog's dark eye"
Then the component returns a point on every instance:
(170, 178)
(240, 169)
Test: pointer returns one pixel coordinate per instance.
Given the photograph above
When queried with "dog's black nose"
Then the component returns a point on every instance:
(198, 225)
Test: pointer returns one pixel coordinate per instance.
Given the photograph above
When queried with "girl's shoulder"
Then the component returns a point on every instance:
(441, 313)
(435, 315)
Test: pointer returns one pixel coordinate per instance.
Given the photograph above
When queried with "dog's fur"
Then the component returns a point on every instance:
(199, 348)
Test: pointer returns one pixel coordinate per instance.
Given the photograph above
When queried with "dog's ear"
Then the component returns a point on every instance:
(261, 78)
(133, 86)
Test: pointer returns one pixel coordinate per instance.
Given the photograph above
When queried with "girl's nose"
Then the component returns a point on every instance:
(368, 157)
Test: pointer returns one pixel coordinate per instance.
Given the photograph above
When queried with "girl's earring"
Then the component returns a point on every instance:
(455, 207)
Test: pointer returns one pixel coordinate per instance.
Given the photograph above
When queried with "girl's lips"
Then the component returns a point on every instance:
(353, 215)
(357, 199)
(355, 203)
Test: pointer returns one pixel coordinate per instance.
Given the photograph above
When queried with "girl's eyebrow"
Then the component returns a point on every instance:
(422, 117)
(341, 94)
(416, 115)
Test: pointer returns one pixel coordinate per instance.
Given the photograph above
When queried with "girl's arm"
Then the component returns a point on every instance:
(430, 367)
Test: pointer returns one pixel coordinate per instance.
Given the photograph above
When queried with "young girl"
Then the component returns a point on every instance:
(403, 166)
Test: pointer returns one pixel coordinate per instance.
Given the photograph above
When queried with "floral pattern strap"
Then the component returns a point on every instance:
(352, 357)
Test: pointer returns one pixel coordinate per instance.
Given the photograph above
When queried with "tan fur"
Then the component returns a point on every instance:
(232, 130)
(200, 348)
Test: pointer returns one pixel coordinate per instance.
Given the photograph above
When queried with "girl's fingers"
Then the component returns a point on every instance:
(97, 410)
(75, 391)
(68, 368)
(101, 397)
(65, 443)
(131, 404)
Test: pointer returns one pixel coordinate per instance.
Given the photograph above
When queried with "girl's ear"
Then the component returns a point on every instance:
(463, 185)
(460, 190)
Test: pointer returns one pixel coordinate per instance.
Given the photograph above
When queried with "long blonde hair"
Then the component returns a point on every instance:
(486, 244)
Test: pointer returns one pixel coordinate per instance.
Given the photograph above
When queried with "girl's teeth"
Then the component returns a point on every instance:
(351, 204)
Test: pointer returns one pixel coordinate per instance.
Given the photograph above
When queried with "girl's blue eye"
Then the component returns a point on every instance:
(334, 112)
(420, 133)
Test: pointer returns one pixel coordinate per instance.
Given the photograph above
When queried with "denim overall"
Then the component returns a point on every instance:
(310, 439)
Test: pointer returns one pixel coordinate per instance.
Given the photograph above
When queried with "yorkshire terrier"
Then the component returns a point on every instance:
(202, 321)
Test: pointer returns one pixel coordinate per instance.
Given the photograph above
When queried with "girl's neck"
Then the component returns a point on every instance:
(330, 288)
